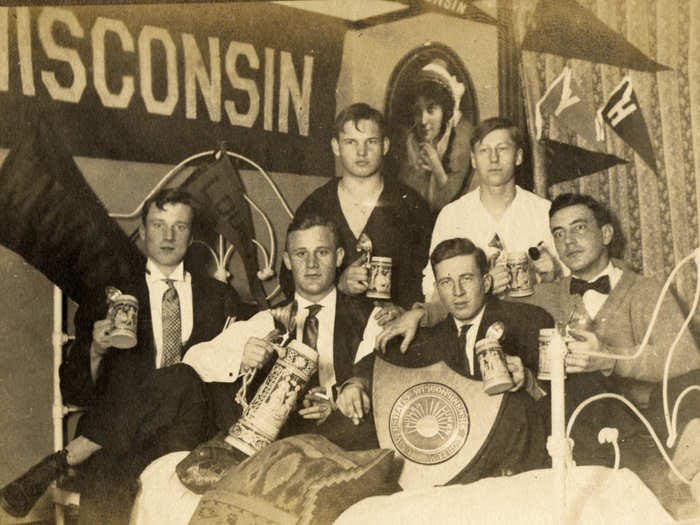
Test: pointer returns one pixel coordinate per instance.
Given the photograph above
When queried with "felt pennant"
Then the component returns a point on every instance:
(565, 101)
(565, 28)
(567, 162)
(623, 114)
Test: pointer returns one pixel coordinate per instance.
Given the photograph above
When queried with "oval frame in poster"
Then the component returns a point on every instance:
(398, 104)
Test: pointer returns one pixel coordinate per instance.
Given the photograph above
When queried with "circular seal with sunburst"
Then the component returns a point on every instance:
(429, 423)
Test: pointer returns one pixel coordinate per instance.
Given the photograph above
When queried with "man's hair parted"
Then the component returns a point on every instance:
(459, 246)
(355, 113)
(492, 124)
(170, 196)
(304, 221)
(600, 212)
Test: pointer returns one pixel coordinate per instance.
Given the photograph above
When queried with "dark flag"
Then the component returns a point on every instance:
(623, 114)
(220, 192)
(567, 162)
(565, 28)
(50, 216)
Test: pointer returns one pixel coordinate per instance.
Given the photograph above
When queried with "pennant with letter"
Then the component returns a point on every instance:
(50, 216)
(567, 162)
(219, 190)
(565, 28)
(564, 101)
(623, 114)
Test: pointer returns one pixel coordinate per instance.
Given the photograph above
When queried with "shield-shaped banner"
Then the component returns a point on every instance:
(435, 419)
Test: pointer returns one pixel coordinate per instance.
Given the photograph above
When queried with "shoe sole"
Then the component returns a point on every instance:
(9, 509)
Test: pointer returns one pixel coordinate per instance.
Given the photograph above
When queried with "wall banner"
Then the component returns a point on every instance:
(158, 83)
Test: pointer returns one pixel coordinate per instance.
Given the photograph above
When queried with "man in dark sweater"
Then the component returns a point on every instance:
(363, 200)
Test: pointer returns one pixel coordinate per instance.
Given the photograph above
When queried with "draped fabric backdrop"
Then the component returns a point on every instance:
(657, 211)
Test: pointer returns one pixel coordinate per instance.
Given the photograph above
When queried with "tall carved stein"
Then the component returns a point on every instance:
(276, 398)
(264, 417)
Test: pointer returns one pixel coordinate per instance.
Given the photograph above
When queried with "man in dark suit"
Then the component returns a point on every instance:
(517, 441)
(344, 328)
(131, 418)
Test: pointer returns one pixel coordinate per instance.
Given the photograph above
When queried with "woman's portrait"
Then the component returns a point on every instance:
(433, 145)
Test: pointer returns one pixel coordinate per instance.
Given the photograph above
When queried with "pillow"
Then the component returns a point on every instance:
(206, 465)
(303, 479)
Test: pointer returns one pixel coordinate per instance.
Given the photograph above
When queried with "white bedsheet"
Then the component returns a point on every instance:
(596, 495)
(162, 499)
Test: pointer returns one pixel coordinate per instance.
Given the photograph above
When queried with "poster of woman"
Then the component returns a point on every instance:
(433, 119)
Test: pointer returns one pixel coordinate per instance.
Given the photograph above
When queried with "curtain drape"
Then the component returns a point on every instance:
(657, 209)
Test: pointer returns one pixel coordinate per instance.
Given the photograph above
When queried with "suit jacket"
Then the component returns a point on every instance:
(441, 342)
(123, 369)
(517, 440)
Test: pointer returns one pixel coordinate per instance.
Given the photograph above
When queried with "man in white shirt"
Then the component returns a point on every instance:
(499, 217)
(345, 329)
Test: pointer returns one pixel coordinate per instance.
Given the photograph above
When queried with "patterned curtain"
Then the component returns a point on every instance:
(657, 210)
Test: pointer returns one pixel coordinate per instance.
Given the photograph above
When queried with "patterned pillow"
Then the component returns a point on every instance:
(303, 480)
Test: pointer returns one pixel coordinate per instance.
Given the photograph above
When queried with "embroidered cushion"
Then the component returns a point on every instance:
(304, 480)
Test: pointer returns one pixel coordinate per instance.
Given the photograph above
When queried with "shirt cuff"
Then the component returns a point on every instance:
(360, 381)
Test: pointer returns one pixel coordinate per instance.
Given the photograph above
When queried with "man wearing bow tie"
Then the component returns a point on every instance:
(616, 303)
(607, 308)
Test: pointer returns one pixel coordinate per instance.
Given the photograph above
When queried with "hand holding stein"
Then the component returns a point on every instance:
(118, 330)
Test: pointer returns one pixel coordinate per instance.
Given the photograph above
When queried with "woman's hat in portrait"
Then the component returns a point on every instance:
(436, 72)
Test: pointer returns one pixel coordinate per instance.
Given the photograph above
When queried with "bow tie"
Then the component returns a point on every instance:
(600, 285)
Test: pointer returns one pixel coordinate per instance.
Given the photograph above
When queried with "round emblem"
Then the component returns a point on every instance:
(429, 423)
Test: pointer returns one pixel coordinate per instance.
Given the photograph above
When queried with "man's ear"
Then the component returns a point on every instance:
(387, 145)
(488, 283)
(142, 231)
(286, 261)
(473, 160)
(339, 256)
(519, 157)
(335, 146)
(608, 232)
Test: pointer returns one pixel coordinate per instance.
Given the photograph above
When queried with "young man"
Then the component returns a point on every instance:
(121, 432)
(618, 302)
(343, 326)
(614, 306)
(362, 200)
(93, 369)
(499, 217)
(517, 441)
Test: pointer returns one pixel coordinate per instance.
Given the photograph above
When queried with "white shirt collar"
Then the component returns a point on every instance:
(474, 321)
(613, 272)
(153, 273)
(326, 302)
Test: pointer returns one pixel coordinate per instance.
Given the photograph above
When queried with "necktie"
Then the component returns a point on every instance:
(579, 286)
(310, 335)
(172, 331)
(464, 359)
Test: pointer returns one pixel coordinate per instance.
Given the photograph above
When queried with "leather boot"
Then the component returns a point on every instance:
(18, 497)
